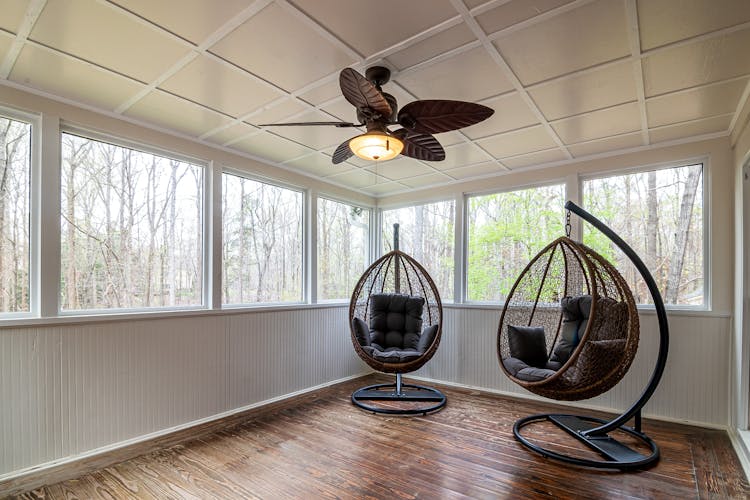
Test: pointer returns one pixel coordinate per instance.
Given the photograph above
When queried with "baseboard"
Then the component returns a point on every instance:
(741, 443)
(571, 404)
(16, 482)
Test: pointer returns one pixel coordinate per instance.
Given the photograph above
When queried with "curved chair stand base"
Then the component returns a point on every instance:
(399, 393)
(616, 455)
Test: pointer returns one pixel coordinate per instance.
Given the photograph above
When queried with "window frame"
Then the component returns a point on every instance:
(368, 246)
(95, 135)
(465, 244)
(307, 244)
(705, 162)
(35, 199)
(459, 219)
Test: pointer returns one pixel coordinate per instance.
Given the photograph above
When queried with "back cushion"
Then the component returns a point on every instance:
(395, 320)
(576, 312)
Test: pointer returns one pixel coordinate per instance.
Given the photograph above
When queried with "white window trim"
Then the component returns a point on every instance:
(369, 254)
(465, 246)
(705, 161)
(35, 200)
(307, 237)
(66, 128)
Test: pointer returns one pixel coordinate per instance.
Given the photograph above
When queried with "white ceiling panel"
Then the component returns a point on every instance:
(511, 112)
(107, 36)
(400, 168)
(595, 125)
(221, 68)
(534, 159)
(316, 137)
(426, 180)
(71, 78)
(615, 143)
(696, 128)
(279, 47)
(357, 178)
(319, 164)
(470, 76)
(6, 40)
(697, 63)
(459, 155)
(580, 38)
(278, 112)
(663, 22)
(220, 86)
(475, 170)
(13, 13)
(196, 19)
(435, 45)
(171, 112)
(507, 14)
(589, 91)
(518, 142)
(232, 133)
(276, 149)
(693, 104)
(370, 27)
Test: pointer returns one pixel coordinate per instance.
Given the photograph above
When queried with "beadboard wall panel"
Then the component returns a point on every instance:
(68, 390)
(694, 388)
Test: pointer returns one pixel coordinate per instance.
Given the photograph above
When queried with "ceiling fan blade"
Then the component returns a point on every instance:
(361, 93)
(308, 124)
(420, 146)
(435, 116)
(342, 153)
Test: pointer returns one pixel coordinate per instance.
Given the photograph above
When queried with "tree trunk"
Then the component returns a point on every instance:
(676, 261)
(652, 226)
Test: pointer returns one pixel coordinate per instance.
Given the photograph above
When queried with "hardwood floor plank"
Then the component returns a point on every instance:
(320, 446)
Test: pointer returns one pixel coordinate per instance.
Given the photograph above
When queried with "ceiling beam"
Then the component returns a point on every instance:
(634, 40)
(33, 11)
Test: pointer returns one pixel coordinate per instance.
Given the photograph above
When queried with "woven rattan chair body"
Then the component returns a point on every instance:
(605, 351)
(397, 272)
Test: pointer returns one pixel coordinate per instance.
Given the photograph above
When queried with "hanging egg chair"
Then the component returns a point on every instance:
(569, 330)
(395, 318)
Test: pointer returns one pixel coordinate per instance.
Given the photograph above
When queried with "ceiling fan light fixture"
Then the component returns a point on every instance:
(376, 146)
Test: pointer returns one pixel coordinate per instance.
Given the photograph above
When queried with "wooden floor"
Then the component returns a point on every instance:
(319, 445)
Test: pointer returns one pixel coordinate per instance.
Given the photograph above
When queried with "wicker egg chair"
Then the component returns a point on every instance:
(396, 318)
(569, 330)
(583, 308)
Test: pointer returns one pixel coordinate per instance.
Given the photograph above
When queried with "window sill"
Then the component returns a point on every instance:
(74, 319)
(644, 310)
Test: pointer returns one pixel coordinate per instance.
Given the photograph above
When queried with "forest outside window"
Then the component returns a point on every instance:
(505, 231)
(15, 178)
(660, 213)
(131, 228)
(343, 242)
(427, 233)
(262, 242)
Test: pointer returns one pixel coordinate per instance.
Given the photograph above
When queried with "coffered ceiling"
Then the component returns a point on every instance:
(567, 79)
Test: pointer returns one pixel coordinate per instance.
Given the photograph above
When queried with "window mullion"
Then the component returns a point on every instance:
(46, 181)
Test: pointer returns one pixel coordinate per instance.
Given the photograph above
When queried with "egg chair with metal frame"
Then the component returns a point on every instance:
(569, 330)
(396, 317)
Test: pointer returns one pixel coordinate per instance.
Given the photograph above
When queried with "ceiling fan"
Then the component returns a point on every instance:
(376, 110)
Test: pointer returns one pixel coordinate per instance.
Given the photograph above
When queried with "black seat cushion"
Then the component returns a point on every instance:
(394, 334)
(576, 312)
(395, 320)
(520, 370)
(528, 344)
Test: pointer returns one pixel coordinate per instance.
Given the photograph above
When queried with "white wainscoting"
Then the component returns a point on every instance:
(694, 388)
(67, 390)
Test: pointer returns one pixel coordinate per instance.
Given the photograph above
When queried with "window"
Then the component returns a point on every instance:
(426, 232)
(15, 177)
(131, 228)
(505, 231)
(262, 243)
(660, 214)
(343, 239)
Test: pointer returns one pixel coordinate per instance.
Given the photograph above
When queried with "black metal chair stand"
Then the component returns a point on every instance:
(594, 432)
(400, 394)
